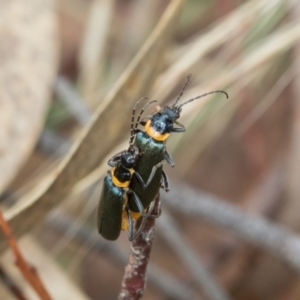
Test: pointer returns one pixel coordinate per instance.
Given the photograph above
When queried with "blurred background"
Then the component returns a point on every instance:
(63, 63)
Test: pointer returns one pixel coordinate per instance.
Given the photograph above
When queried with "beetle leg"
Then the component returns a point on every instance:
(169, 159)
(178, 129)
(113, 160)
(181, 128)
(159, 211)
(130, 223)
(165, 181)
(150, 209)
(153, 171)
(143, 222)
(139, 231)
(138, 203)
(179, 124)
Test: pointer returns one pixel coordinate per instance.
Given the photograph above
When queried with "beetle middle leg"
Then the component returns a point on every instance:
(156, 215)
(165, 181)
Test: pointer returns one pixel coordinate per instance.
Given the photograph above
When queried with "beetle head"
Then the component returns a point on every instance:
(173, 112)
(129, 157)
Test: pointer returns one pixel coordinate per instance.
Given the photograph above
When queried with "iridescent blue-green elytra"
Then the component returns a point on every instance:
(110, 210)
(152, 153)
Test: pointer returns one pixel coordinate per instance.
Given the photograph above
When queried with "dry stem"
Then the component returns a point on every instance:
(28, 271)
(134, 280)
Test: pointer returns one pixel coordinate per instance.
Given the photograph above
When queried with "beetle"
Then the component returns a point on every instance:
(151, 143)
(113, 211)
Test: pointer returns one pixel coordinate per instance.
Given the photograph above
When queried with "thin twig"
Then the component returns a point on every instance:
(179, 244)
(278, 240)
(28, 271)
(134, 280)
(172, 287)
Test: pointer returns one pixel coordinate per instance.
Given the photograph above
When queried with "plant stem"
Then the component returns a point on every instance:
(28, 271)
(134, 280)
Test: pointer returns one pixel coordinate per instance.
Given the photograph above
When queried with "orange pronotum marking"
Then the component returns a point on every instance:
(119, 183)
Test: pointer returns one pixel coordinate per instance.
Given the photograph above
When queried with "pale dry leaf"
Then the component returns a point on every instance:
(93, 49)
(107, 127)
(28, 60)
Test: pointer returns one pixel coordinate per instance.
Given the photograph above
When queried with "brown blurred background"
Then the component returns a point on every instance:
(243, 151)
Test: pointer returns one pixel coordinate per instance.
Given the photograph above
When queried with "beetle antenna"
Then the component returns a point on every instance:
(132, 120)
(182, 90)
(140, 115)
(138, 120)
(188, 101)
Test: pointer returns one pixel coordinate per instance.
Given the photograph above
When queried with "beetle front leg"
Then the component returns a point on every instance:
(169, 158)
(113, 160)
(178, 129)
(181, 127)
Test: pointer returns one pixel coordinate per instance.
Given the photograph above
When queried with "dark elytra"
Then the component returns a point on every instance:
(110, 210)
(152, 154)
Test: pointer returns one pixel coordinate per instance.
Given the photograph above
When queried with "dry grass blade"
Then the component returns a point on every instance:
(189, 257)
(93, 48)
(267, 101)
(276, 239)
(263, 54)
(220, 33)
(103, 131)
(289, 214)
(28, 65)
